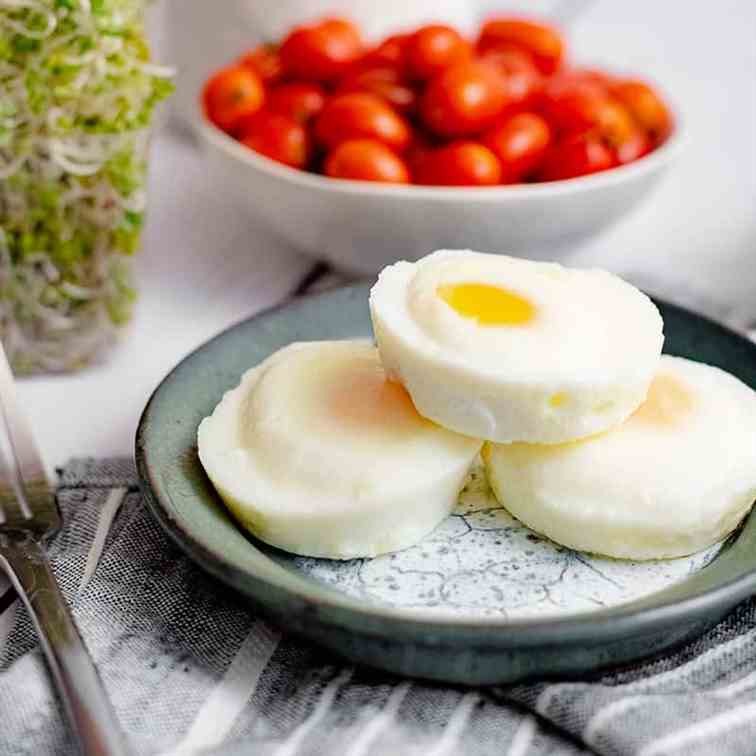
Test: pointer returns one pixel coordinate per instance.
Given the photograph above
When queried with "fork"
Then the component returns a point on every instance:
(28, 516)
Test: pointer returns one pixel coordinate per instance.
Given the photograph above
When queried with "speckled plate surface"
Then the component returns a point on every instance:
(482, 599)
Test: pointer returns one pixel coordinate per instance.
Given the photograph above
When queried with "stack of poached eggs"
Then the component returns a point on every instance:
(588, 435)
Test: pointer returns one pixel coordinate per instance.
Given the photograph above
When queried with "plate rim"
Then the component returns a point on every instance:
(350, 612)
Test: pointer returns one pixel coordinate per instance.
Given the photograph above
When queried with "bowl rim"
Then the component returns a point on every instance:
(650, 163)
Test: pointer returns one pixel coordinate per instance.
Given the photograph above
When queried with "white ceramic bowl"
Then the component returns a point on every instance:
(274, 18)
(361, 227)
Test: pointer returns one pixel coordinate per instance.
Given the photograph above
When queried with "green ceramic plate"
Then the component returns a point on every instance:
(482, 599)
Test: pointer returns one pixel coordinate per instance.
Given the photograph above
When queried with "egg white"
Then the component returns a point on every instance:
(582, 366)
(678, 476)
(316, 454)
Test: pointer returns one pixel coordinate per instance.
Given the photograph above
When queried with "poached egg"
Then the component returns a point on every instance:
(676, 477)
(318, 453)
(511, 350)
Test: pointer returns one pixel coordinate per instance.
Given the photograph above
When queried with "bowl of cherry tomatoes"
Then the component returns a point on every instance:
(363, 154)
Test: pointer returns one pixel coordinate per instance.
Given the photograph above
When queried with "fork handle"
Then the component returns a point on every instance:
(78, 683)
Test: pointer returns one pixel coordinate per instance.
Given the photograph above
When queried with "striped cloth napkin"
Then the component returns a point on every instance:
(192, 670)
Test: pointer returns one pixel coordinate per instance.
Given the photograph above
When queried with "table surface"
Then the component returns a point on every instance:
(205, 265)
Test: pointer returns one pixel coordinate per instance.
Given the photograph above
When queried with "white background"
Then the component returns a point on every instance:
(205, 266)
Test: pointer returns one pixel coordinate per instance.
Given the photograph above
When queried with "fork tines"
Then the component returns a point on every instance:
(27, 500)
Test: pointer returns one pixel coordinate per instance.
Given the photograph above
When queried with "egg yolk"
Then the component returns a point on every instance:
(558, 400)
(488, 305)
(668, 402)
(359, 395)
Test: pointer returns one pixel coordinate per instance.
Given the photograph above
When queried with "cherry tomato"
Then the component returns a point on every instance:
(420, 149)
(462, 163)
(278, 137)
(391, 52)
(544, 43)
(576, 105)
(232, 94)
(568, 101)
(523, 82)
(615, 123)
(573, 80)
(633, 148)
(431, 49)
(265, 62)
(464, 99)
(322, 52)
(366, 160)
(520, 143)
(646, 106)
(385, 82)
(590, 76)
(300, 101)
(576, 155)
(361, 116)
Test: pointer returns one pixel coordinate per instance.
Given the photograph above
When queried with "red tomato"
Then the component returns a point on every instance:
(460, 164)
(231, 94)
(322, 52)
(265, 62)
(361, 116)
(576, 155)
(520, 143)
(385, 82)
(464, 99)
(391, 52)
(569, 82)
(431, 49)
(634, 147)
(587, 75)
(278, 137)
(544, 43)
(366, 160)
(299, 101)
(421, 147)
(576, 105)
(568, 102)
(522, 80)
(614, 122)
(646, 106)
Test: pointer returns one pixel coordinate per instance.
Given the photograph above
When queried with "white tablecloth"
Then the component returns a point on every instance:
(204, 266)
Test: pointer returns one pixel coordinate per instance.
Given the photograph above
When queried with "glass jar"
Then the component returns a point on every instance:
(77, 94)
